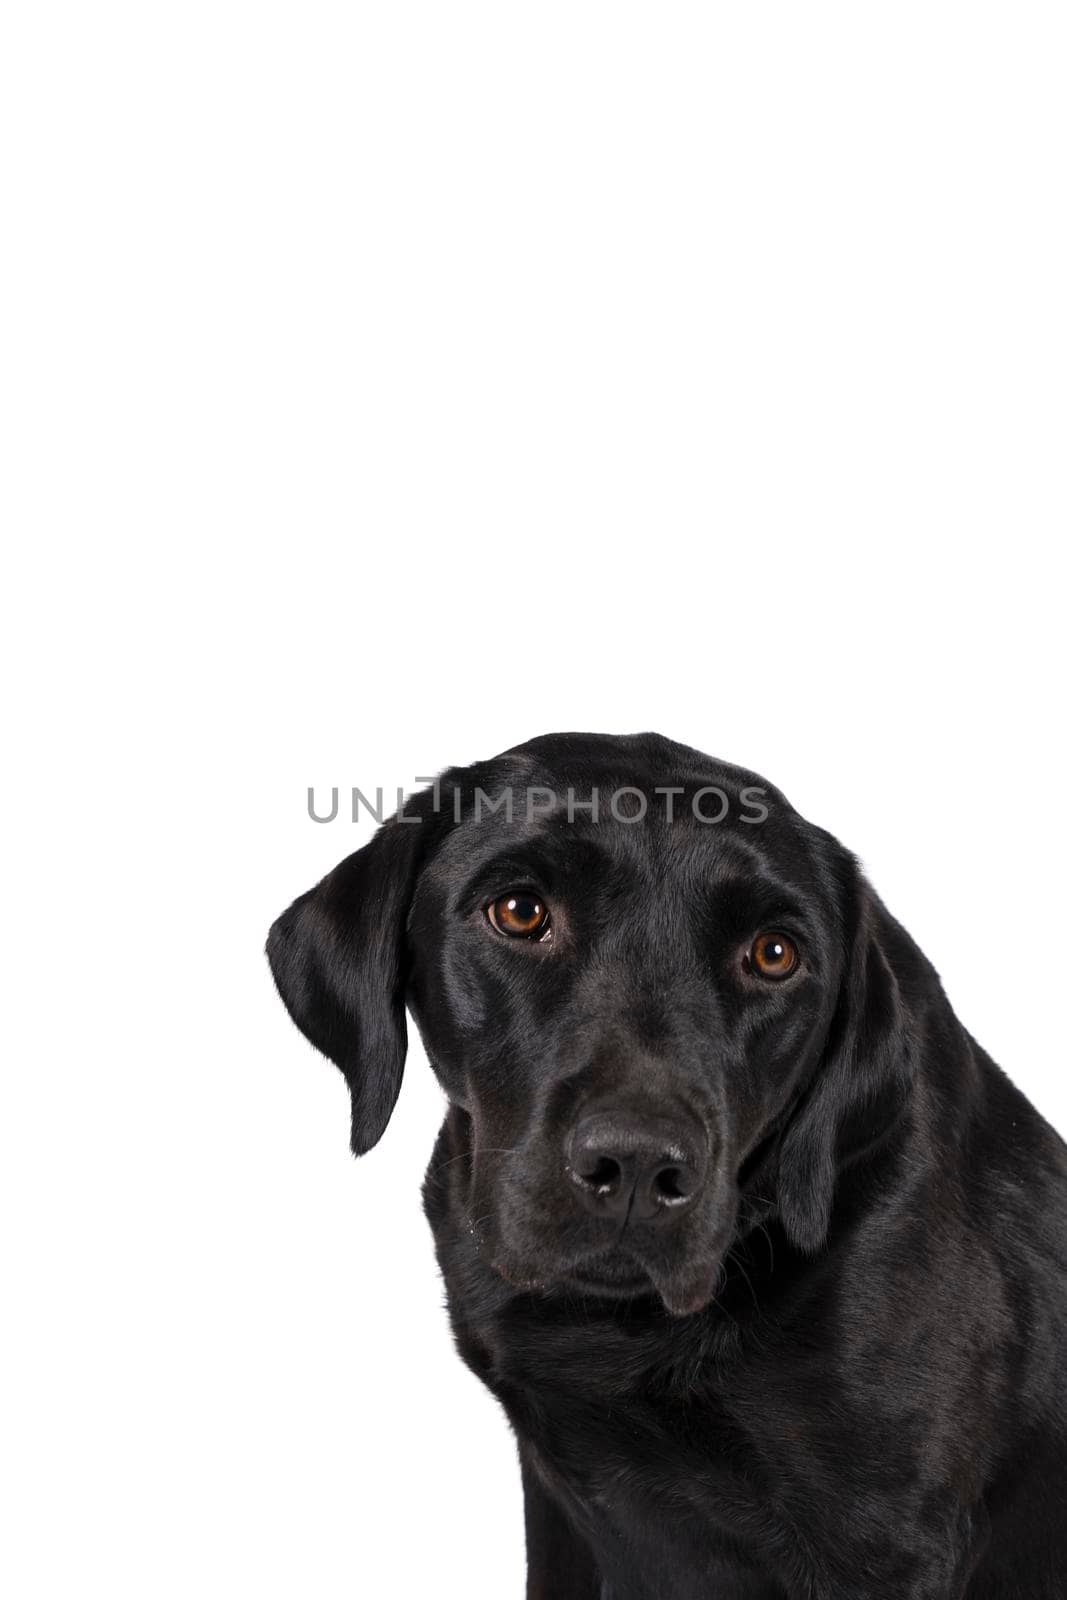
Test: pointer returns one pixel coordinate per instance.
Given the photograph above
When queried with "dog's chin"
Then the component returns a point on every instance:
(620, 1277)
(613, 1277)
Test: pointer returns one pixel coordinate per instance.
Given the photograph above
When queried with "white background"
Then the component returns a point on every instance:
(383, 385)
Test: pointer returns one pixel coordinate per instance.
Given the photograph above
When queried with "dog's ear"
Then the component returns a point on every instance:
(861, 1084)
(337, 956)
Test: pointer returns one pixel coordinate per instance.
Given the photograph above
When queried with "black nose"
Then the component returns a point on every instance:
(623, 1166)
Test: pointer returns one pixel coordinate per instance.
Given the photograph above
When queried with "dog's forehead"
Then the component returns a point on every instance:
(639, 802)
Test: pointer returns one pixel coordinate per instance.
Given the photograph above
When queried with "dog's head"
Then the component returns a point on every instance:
(649, 983)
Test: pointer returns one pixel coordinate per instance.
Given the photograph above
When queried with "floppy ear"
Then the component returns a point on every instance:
(858, 1089)
(337, 956)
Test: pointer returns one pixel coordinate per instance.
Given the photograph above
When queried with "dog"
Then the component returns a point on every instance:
(763, 1256)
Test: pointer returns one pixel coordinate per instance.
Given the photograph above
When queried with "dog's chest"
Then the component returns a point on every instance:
(661, 1518)
(631, 1467)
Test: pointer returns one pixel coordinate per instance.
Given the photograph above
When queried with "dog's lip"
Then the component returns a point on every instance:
(681, 1292)
(611, 1272)
(607, 1274)
(611, 1268)
(625, 1279)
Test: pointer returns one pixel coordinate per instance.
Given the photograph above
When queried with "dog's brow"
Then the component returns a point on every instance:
(509, 869)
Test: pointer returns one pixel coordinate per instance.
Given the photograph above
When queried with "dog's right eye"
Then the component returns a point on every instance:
(520, 915)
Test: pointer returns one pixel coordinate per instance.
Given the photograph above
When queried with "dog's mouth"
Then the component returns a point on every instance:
(615, 1276)
(618, 1275)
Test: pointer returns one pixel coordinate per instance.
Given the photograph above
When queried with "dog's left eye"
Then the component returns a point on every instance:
(773, 955)
(520, 915)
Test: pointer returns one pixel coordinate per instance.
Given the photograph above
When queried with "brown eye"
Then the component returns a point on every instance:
(520, 915)
(773, 956)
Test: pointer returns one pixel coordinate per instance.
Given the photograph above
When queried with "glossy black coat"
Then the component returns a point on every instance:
(843, 1375)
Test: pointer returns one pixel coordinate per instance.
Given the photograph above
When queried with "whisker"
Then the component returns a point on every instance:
(748, 1280)
(488, 1150)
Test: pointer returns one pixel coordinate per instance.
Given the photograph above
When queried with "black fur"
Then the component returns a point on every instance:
(843, 1374)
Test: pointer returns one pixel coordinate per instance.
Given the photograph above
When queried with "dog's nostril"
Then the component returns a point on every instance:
(603, 1175)
(668, 1185)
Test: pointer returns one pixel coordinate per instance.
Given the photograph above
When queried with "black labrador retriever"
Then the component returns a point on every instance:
(761, 1253)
